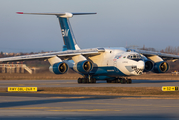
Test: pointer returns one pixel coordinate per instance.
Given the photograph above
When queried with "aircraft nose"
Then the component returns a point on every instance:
(140, 67)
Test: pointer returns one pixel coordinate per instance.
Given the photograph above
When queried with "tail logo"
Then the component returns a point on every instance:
(65, 32)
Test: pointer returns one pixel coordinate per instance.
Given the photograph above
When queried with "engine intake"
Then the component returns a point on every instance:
(161, 67)
(59, 68)
(83, 66)
(148, 65)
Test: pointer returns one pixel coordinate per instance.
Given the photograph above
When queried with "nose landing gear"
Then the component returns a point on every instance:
(88, 79)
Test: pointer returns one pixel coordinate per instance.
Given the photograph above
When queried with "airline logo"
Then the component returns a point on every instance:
(117, 57)
(65, 32)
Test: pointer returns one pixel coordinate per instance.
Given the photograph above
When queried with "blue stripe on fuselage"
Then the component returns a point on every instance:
(106, 71)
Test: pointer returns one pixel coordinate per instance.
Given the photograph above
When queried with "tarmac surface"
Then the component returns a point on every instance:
(73, 83)
(34, 106)
(78, 107)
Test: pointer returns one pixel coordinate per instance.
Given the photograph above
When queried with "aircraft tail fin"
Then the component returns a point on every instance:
(66, 30)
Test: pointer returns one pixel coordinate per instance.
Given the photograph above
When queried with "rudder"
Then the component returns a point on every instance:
(67, 34)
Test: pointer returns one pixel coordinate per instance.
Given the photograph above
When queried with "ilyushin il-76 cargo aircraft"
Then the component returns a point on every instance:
(111, 64)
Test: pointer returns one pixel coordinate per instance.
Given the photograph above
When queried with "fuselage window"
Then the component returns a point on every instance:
(134, 56)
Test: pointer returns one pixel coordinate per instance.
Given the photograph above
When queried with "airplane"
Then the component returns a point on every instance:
(114, 65)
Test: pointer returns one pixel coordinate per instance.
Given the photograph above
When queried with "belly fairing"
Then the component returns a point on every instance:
(107, 71)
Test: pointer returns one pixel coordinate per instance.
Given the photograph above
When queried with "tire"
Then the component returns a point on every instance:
(123, 81)
(119, 80)
(94, 80)
(86, 80)
(79, 80)
(130, 81)
(83, 80)
(113, 81)
(90, 80)
(108, 81)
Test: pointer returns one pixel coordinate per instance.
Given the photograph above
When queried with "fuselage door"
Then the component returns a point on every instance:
(115, 63)
(116, 59)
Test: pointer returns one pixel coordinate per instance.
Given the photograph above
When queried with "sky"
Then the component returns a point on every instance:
(118, 23)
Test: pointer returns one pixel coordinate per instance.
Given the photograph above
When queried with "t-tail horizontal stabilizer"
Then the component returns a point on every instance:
(66, 30)
(64, 14)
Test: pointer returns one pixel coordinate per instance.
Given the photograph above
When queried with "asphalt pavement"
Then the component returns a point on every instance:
(73, 83)
(34, 106)
(80, 107)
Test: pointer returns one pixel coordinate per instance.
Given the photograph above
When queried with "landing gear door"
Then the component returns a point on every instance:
(115, 62)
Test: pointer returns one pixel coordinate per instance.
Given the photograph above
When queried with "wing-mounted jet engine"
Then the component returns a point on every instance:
(148, 65)
(159, 66)
(83, 66)
(59, 68)
(57, 65)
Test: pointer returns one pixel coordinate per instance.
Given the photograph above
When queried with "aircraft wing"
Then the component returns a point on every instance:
(162, 55)
(64, 55)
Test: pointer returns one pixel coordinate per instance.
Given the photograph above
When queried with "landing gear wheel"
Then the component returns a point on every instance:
(123, 81)
(79, 80)
(116, 80)
(119, 80)
(108, 81)
(86, 80)
(113, 81)
(129, 81)
(93, 80)
(83, 80)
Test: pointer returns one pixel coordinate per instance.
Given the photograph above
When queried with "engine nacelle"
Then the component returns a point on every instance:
(83, 66)
(148, 65)
(161, 67)
(59, 68)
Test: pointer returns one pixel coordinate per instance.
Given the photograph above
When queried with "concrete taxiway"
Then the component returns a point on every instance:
(34, 106)
(73, 83)
(78, 107)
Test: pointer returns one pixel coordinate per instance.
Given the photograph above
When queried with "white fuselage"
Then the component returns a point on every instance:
(118, 58)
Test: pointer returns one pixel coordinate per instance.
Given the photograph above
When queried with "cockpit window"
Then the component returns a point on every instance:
(134, 56)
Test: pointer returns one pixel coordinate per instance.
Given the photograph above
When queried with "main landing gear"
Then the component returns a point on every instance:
(86, 80)
(120, 80)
